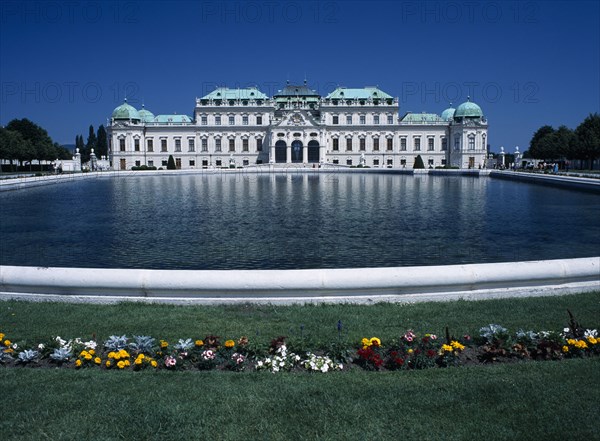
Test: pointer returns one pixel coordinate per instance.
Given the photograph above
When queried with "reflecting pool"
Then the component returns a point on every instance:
(282, 221)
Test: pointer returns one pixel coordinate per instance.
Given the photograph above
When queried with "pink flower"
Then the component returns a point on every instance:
(170, 361)
(208, 355)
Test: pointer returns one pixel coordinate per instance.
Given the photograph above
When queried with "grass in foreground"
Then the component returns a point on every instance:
(534, 400)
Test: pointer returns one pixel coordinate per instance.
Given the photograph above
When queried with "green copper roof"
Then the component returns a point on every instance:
(421, 118)
(296, 90)
(361, 94)
(125, 111)
(146, 115)
(468, 110)
(165, 119)
(448, 114)
(224, 93)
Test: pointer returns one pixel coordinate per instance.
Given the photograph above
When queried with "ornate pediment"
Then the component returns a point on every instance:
(298, 119)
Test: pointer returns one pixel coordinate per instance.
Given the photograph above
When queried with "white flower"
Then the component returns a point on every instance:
(590, 333)
(90, 344)
(60, 341)
(566, 330)
(41, 346)
(325, 368)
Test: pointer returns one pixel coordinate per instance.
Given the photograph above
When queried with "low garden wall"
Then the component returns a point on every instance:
(353, 285)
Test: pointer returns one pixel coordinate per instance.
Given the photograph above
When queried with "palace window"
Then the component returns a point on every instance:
(417, 142)
(471, 143)
(430, 144)
(375, 119)
(444, 144)
(348, 161)
(361, 144)
(376, 162)
(390, 119)
(244, 145)
(219, 163)
(376, 144)
(192, 162)
(163, 145)
(150, 144)
(217, 120)
(191, 145)
(245, 162)
(336, 161)
(232, 145)
(390, 144)
(205, 145)
(164, 163)
(336, 120)
(122, 144)
(349, 119)
(457, 142)
(150, 163)
(259, 120)
(336, 144)
(231, 120)
(245, 120)
(349, 144)
(136, 145)
(138, 163)
(259, 145)
(390, 162)
(403, 144)
(204, 120)
(363, 119)
(218, 145)
(430, 162)
(178, 145)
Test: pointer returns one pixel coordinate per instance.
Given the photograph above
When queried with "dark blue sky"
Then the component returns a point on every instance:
(66, 65)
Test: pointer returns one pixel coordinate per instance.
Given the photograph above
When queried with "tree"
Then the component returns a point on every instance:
(171, 163)
(79, 143)
(536, 149)
(587, 139)
(101, 142)
(90, 144)
(419, 162)
(37, 145)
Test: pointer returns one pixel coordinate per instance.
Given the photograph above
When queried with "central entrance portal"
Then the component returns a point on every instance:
(297, 151)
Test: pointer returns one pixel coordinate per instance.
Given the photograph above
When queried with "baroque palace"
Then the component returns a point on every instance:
(348, 127)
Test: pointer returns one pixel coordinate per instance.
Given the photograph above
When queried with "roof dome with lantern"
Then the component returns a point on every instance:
(126, 111)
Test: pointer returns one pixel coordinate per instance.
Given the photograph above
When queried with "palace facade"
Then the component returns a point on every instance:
(348, 127)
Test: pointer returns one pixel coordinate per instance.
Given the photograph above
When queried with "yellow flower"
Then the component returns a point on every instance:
(1, 336)
(88, 356)
(365, 342)
(229, 344)
(571, 341)
(447, 348)
(140, 357)
(199, 343)
(457, 345)
(92, 352)
(164, 344)
(121, 364)
(7, 342)
(83, 353)
(111, 355)
(108, 363)
(123, 353)
(565, 349)
(410, 351)
(127, 363)
(580, 344)
(139, 361)
(97, 360)
(153, 363)
(592, 340)
(375, 341)
(78, 363)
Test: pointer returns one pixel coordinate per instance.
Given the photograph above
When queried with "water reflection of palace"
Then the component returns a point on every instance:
(351, 127)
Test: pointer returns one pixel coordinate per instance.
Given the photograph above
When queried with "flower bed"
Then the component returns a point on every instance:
(409, 351)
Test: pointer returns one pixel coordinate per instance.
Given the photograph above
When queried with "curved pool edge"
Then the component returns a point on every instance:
(352, 285)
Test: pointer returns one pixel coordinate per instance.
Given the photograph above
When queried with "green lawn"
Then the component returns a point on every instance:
(525, 400)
